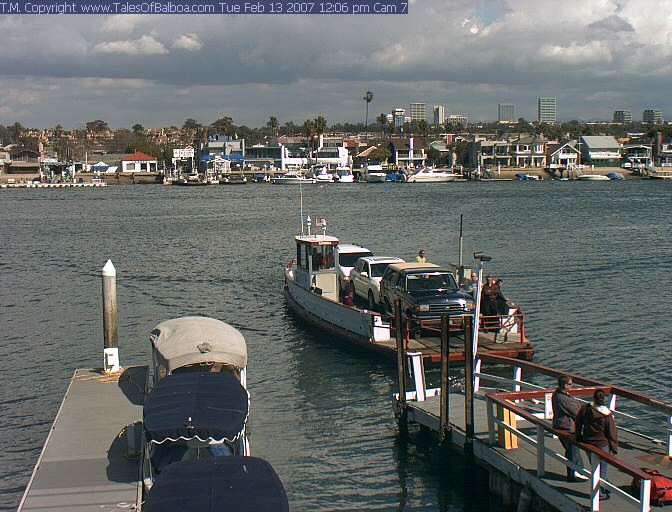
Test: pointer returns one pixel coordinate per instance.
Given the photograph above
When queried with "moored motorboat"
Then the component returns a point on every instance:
(373, 173)
(592, 177)
(432, 175)
(661, 174)
(292, 178)
(345, 175)
(233, 179)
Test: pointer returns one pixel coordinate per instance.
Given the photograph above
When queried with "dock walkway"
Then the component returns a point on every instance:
(88, 463)
(513, 436)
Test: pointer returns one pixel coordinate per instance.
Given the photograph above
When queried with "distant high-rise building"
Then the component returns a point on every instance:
(398, 115)
(419, 112)
(547, 111)
(505, 113)
(652, 116)
(439, 115)
(455, 119)
(622, 116)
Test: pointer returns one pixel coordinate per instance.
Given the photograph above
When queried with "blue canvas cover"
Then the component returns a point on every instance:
(243, 484)
(205, 406)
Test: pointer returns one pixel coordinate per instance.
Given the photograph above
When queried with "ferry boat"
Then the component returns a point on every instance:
(432, 175)
(312, 292)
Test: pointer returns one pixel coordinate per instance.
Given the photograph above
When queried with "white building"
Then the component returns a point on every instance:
(547, 110)
(419, 112)
(439, 115)
(139, 162)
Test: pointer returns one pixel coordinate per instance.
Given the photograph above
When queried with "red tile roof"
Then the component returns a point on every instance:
(138, 156)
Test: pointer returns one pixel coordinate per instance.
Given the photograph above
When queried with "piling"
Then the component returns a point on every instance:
(110, 318)
(401, 356)
(468, 388)
(445, 377)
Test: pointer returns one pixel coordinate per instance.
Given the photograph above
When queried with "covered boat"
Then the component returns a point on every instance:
(198, 343)
(192, 416)
(243, 484)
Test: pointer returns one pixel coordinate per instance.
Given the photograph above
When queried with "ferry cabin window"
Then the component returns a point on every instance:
(299, 255)
(323, 257)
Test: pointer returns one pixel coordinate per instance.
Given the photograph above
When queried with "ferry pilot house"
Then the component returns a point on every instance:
(315, 265)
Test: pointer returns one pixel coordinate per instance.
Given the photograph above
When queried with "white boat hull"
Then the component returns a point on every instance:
(375, 177)
(592, 177)
(357, 325)
(281, 180)
(435, 178)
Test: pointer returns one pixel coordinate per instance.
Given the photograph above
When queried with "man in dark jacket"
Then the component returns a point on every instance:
(565, 409)
(595, 425)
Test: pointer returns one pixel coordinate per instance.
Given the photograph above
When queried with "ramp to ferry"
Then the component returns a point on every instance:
(86, 464)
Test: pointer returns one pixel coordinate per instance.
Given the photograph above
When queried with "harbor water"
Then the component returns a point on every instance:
(589, 263)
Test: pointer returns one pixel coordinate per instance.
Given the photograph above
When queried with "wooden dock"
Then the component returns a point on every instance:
(90, 461)
(511, 436)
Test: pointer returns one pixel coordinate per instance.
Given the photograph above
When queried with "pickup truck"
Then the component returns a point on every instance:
(426, 291)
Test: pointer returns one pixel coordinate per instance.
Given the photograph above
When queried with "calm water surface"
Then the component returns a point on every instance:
(590, 264)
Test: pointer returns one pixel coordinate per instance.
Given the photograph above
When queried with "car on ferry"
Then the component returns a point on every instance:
(345, 258)
(366, 275)
(426, 291)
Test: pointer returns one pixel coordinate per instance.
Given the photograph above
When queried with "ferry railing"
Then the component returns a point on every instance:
(504, 401)
(632, 422)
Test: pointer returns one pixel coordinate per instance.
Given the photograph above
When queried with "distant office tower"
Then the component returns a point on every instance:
(506, 113)
(455, 119)
(439, 115)
(652, 116)
(622, 116)
(419, 111)
(547, 110)
(398, 114)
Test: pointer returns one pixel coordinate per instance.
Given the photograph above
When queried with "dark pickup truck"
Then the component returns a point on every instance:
(426, 291)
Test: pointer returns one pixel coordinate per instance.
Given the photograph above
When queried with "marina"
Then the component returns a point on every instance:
(299, 371)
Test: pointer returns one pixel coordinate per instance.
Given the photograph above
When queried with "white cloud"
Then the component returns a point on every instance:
(578, 54)
(146, 45)
(188, 42)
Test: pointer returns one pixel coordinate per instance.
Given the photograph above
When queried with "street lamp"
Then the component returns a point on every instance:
(482, 258)
(368, 97)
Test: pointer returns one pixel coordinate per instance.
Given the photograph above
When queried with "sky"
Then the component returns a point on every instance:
(595, 56)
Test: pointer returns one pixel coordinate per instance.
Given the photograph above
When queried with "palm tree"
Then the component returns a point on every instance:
(320, 125)
(273, 124)
(382, 121)
(368, 97)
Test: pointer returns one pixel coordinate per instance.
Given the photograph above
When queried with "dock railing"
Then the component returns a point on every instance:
(533, 406)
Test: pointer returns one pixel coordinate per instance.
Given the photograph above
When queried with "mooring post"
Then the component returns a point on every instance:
(401, 358)
(110, 341)
(445, 376)
(468, 389)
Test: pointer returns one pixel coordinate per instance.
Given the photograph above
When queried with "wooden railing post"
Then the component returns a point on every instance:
(477, 375)
(595, 482)
(491, 421)
(401, 370)
(445, 375)
(418, 375)
(541, 451)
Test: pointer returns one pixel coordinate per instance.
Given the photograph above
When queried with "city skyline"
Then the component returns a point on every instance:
(160, 70)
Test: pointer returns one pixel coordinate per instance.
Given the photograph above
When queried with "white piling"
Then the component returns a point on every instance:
(110, 341)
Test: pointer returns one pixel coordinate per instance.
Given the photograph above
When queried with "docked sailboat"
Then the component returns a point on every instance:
(292, 178)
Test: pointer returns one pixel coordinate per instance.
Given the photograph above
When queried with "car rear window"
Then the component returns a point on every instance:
(433, 281)
(349, 260)
(378, 269)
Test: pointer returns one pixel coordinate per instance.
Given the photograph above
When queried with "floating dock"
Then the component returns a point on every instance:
(90, 461)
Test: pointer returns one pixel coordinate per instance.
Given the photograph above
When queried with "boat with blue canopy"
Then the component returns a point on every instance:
(243, 484)
(193, 416)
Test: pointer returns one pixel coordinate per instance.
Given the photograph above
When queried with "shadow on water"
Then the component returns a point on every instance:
(454, 479)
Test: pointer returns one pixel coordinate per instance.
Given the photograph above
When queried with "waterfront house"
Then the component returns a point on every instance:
(139, 162)
(407, 152)
(637, 155)
(600, 151)
(665, 154)
(562, 155)
(530, 151)
(226, 147)
(489, 154)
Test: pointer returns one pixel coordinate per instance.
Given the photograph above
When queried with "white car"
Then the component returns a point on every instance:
(345, 256)
(365, 277)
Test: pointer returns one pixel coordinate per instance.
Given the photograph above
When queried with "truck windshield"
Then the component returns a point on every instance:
(434, 281)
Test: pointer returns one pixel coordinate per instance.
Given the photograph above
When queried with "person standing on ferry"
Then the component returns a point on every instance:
(421, 257)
